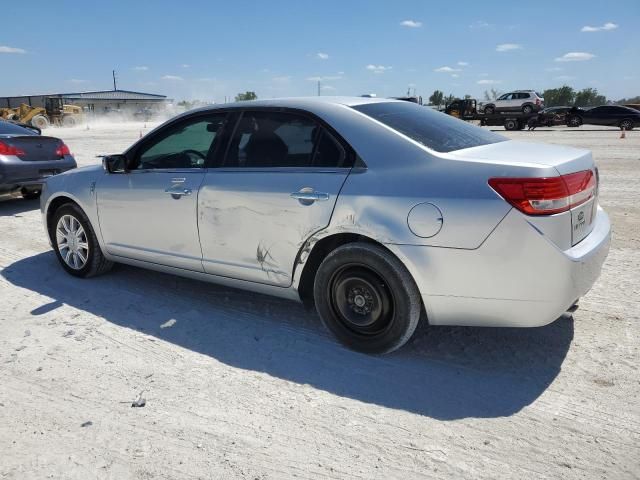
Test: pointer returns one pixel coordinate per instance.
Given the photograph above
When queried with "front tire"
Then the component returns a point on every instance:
(489, 110)
(366, 297)
(75, 243)
(574, 121)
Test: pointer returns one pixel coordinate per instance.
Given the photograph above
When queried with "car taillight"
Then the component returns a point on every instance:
(62, 150)
(545, 196)
(10, 150)
(537, 101)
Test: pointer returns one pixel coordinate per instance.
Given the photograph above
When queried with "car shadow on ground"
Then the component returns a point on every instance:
(445, 372)
(15, 205)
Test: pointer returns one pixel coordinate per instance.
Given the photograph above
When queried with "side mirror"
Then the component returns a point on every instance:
(114, 164)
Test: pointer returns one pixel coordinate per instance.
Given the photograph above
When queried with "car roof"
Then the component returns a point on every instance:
(298, 102)
(10, 129)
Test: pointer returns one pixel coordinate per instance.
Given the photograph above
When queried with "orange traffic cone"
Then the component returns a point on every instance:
(623, 134)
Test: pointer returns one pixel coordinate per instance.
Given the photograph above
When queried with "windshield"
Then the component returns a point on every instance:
(435, 130)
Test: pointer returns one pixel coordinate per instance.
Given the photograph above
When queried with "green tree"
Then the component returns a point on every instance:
(589, 97)
(437, 98)
(241, 97)
(555, 97)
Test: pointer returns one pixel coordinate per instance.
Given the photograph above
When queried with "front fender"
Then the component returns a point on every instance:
(78, 187)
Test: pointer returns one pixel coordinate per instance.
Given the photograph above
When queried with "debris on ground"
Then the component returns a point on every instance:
(139, 401)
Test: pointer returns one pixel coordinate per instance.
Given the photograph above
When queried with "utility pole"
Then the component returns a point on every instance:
(318, 87)
(113, 72)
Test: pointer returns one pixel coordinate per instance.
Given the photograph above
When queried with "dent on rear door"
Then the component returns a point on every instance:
(250, 226)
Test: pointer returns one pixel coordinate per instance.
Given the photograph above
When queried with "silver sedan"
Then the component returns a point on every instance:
(380, 213)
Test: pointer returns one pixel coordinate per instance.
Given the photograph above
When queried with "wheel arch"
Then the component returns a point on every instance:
(316, 250)
(53, 205)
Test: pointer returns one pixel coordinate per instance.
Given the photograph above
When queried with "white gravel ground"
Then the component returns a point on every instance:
(243, 386)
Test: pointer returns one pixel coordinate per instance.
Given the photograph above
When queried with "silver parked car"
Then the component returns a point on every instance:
(525, 101)
(379, 212)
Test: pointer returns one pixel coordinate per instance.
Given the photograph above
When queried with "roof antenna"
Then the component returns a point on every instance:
(114, 80)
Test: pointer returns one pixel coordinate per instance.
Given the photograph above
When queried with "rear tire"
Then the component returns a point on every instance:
(510, 125)
(366, 297)
(626, 124)
(68, 121)
(94, 262)
(527, 109)
(30, 194)
(40, 121)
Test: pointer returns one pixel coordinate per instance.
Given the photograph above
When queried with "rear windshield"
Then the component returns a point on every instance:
(435, 130)
(7, 128)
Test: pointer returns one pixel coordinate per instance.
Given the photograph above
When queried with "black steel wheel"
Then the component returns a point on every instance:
(361, 300)
(366, 297)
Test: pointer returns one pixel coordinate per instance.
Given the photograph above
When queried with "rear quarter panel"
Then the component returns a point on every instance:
(375, 201)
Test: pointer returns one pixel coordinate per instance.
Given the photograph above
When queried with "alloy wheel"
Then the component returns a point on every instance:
(72, 242)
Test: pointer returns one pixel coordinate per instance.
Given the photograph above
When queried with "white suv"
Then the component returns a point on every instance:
(525, 101)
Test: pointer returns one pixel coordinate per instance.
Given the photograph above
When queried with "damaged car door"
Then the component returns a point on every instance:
(276, 185)
(148, 211)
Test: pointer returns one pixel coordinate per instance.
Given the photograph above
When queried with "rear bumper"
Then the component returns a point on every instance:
(516, 278)
(16, 174)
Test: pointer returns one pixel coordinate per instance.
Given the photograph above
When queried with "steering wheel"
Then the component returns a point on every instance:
(201, 157)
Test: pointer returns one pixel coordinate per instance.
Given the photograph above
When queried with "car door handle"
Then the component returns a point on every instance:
(178, 191)
(310, 196)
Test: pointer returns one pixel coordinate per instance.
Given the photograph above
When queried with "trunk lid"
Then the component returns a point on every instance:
(35, 147)
(564, 159)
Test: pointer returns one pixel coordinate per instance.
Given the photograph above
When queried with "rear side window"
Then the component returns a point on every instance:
(279, 139)
(435, 130)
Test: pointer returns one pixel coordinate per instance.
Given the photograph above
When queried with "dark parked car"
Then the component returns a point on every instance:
(549, 117)
(28, 158)
(610, 115)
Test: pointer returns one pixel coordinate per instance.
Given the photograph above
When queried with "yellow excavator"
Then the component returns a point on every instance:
(53, 113)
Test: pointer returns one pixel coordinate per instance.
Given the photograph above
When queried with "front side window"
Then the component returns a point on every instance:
(279, 139)
(187, 145)
(506, 96)
(435, 130)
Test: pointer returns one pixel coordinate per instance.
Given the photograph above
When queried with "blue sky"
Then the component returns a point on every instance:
(210, 49)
